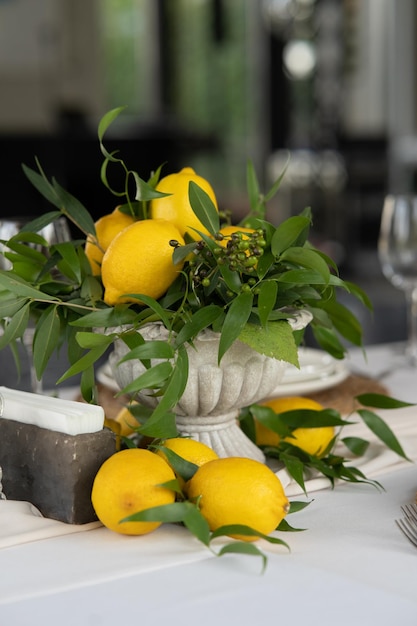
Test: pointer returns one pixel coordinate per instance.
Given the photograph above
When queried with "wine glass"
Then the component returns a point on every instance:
(56, 232)
(397, 251)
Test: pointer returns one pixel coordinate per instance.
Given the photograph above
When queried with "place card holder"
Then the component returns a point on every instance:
(52, 470)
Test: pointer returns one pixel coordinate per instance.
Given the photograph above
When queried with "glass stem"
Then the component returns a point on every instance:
(411, 349)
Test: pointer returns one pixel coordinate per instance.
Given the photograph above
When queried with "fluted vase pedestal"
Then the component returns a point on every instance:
(215, 393)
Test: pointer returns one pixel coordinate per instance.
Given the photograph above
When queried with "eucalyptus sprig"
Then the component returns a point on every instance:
(331, 463)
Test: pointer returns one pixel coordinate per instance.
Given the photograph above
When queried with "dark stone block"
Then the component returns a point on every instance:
(52, 470)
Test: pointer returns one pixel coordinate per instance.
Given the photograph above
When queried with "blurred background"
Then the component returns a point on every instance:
(210, 84)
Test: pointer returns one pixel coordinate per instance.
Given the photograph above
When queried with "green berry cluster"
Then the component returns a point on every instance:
(242, 250)
(239, 252)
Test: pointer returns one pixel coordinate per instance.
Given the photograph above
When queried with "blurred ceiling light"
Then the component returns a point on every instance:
(299, 58)
(276, 12)
(280, 13)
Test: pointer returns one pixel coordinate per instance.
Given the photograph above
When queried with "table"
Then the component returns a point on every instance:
(351, 565)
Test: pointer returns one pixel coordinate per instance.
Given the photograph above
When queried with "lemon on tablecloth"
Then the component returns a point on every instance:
(237, 490)
(127, 483)
(312, 440)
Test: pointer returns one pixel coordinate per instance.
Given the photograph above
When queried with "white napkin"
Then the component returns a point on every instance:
(65, 416)
(378, 459)
(21, 522)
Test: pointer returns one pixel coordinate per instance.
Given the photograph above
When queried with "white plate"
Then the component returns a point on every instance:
(318, 371)
(314, 364)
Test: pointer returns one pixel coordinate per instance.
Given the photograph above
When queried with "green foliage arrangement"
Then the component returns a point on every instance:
(247, 300)
(242, 293)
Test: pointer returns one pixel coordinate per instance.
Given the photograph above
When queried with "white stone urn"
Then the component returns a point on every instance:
(215, 393)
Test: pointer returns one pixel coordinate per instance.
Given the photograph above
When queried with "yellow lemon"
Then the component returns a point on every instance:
(139, 260)
(107, 227)
(190, 450)
(130, 482)
(176, 207)
(227, 232)
(311, 440)
(238, 490)
(126, 422)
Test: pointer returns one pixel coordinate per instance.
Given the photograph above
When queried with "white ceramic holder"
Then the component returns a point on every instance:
(209, 408)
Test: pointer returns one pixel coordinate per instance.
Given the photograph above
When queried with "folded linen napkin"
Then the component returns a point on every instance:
(58, 414)
(378, 459)
(21, 522)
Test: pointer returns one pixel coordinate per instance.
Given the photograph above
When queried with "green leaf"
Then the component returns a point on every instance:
(110, 158)
(292, 232)
(231, 278)
(266, 300)
(19, 287)
(307, 258)
(165, 513)
(235, 320)
(295, 468)
(381, 429)
(302, 277)
(70, 264)
(175, 386)
(297, 505)
(276, 340)
(252, 186)
(87, 385)
(25, 251)
(46, 339)
(84, 362)
(152, 378)
(107, 120)
(356, 445)
(182, 252)
(242, 547)
(197, 525)
(10, 304)
(360, 294)
(89, 340)
(328, 341)
(379, 401)
(267, 416)
(42, 185)
(181, 466)
(106, 318)
(91, 289)
(40, 222)
(203, 207)
(74, 210)
(155, 306)
(201, 319)
(229, 530)
(144, 191)
(345, 322)
(160, 426)
(150, 350)
(284, 526)
(271, 193)
(310, 418)
(15, 327)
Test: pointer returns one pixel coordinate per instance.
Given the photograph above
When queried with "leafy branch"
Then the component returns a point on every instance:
(330, 464)
(187, 513)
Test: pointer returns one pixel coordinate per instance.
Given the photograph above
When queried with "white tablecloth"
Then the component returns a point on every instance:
(351, 565)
